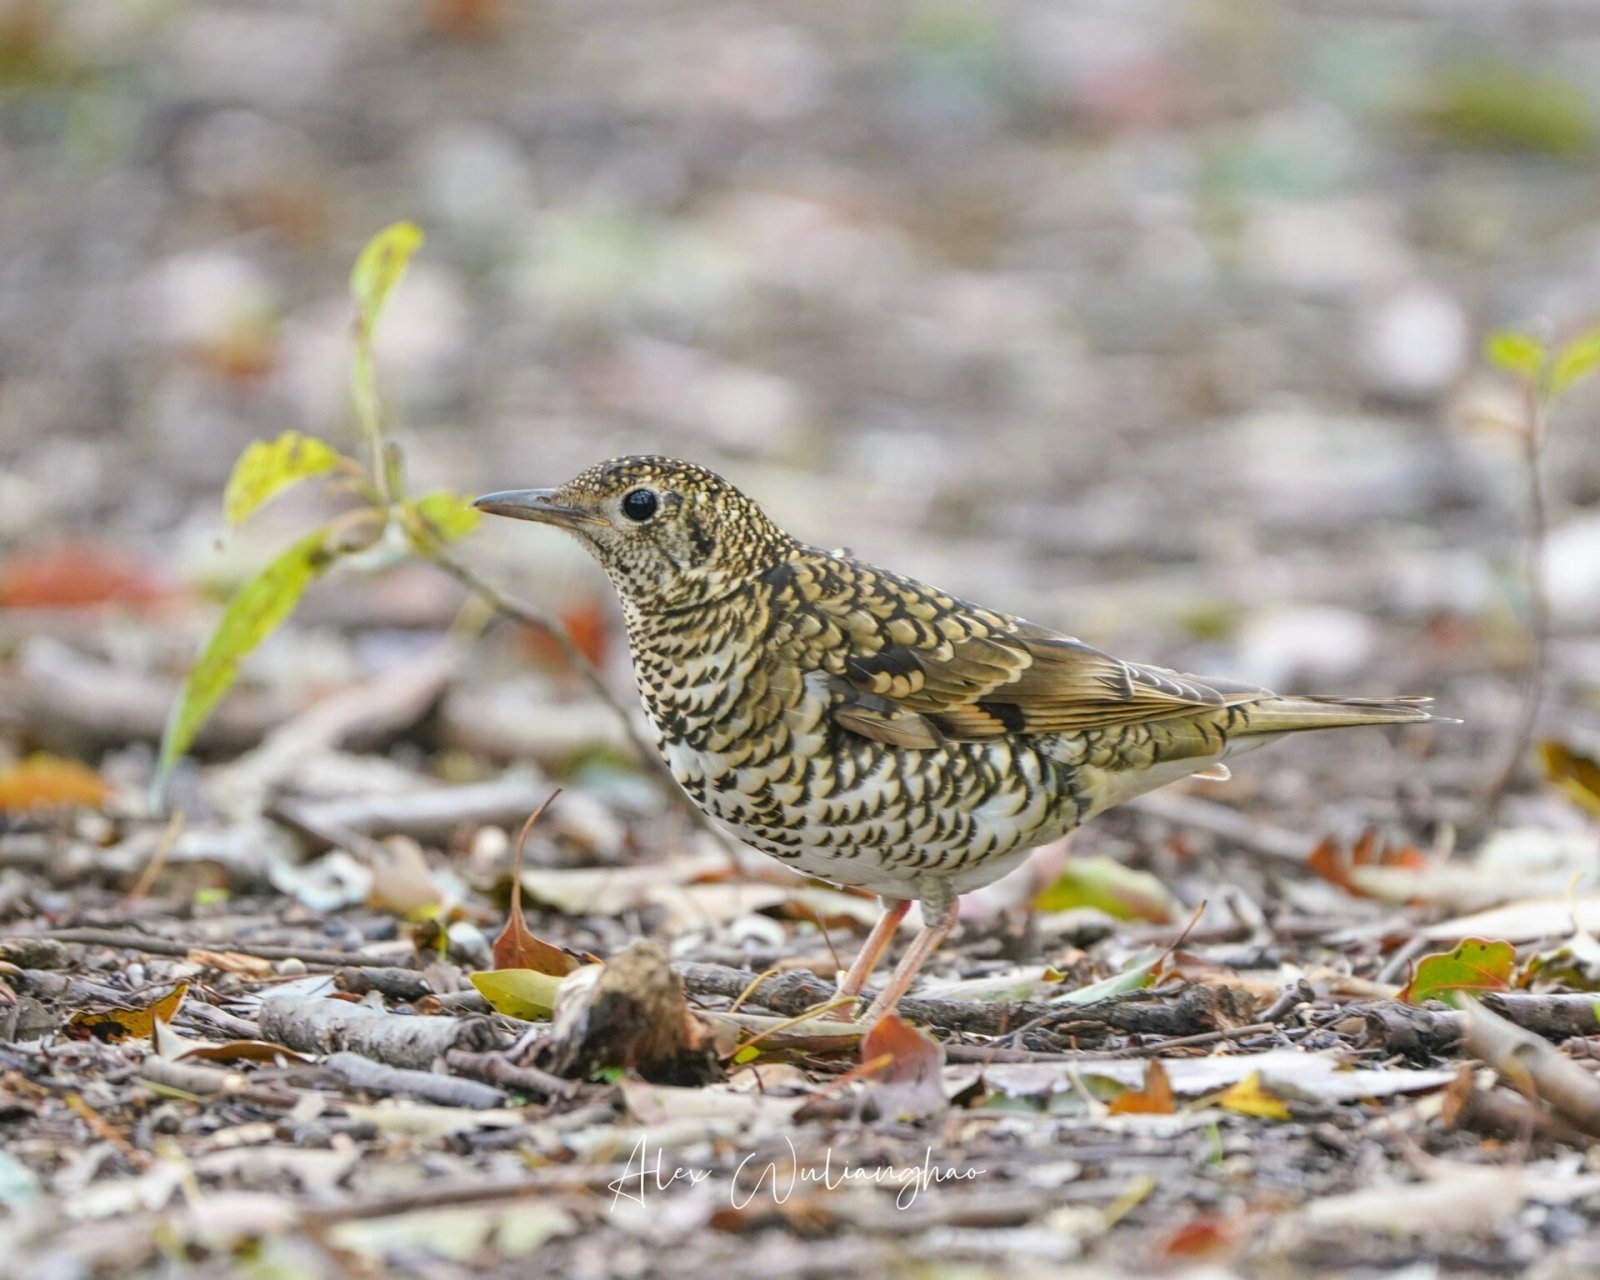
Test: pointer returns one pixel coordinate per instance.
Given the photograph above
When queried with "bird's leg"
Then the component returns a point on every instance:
(866, 960)
(936, 926)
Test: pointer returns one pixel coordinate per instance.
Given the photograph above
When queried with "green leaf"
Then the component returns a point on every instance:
(1575, 361)
(252, 615)
(1135, 978)
(444, 515)
(1517, 353)
(1108, 886)
(268, 467)
(379, 267)
(518, 993)
(1475, 966)
(1495, 104)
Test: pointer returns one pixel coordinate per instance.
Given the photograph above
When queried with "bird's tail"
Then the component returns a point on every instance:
(1314, 711)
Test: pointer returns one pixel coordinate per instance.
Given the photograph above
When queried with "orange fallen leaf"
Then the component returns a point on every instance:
(1154, 1099)
(1333, 862)
(1211, 1236)
(74, 575)
(50, 782)
(113, 1025)
(586, 624)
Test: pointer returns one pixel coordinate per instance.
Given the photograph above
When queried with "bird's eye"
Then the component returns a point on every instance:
(639, 505)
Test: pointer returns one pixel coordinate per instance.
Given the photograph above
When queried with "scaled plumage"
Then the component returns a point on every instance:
(869, 729)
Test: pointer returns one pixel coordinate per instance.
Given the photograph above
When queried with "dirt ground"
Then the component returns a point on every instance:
(1161, 322)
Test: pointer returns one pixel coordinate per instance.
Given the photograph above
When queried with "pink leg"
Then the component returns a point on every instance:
(866, 960)
(934, 932)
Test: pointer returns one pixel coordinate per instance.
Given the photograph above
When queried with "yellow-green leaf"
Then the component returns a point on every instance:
(444, 515)
(268, 467)
(1134, 978)
(1476, 966)
(1577, 774)
(1106, 885)
(252, 615)
(1516, 353)
(1247, 1097)
(518, 993)
(379, 267)
(1575, 361)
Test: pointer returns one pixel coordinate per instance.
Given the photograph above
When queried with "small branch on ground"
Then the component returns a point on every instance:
(427, 1086)
(315, 1025)
(1194, 1010)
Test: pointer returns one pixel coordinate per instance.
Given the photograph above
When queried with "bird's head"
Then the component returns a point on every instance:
(667, 533)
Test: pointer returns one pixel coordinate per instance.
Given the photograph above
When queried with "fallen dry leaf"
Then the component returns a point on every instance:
(172, 1046)
(231, 962)
(75, 575)
(902, 1066)
(49, 782)
(515, 946)
(1337, 865)
(1249, 1098)
(1576, 775)
(1153, 1098)
(112, 1025)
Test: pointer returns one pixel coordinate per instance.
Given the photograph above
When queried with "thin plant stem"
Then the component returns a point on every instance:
(1538, 606)
(552, 627)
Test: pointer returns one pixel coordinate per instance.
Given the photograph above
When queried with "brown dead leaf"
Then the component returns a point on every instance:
(515, 947)
(904, 1068)
(1334, 863)
(1154, 1099)
(230, 962)
(50, 782)
(172, 1046)
(113, 1025)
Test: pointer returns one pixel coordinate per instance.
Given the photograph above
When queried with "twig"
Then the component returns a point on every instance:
(429, 1086)
(158, 861)
(533, 616)
(1187, 1012)
(497, 1068)
(1538, 1070)
(154, 946)
(313, 1025)
(1160, 1047)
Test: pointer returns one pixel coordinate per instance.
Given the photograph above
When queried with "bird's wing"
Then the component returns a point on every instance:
(914, 667)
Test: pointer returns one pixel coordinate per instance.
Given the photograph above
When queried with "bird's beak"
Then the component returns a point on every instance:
(535, 504)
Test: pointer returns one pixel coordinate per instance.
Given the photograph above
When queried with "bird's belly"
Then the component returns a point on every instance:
(862, 813)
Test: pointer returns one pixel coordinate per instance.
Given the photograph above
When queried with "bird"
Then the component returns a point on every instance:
(873, 731)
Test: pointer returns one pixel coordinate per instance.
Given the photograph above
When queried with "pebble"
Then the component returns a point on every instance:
(1413, 343)
(1572, 570)
(474, 180)
(1306, 647)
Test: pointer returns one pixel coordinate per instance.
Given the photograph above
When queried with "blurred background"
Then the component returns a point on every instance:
(1158, 321)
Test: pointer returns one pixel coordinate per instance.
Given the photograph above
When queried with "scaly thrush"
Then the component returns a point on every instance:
(868, 729)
